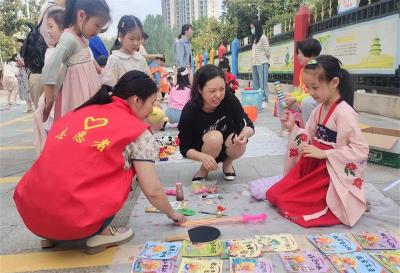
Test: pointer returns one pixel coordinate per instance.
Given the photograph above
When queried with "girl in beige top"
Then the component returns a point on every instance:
(127, 57)
(260, 55)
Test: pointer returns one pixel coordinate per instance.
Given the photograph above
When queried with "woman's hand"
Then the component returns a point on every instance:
(287, 120)
(177, 218)
(208, 162)
(240, 139)
(314, 152)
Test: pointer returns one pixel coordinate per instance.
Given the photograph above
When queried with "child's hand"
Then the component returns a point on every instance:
(290, 100)
(287, 120)
(314, 152)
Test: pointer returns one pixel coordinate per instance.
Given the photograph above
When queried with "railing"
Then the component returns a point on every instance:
(366, 13)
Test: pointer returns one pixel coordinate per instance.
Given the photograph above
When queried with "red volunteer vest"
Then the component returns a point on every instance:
(79, 180)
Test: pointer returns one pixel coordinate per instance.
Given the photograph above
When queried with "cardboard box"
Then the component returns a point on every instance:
(384, 146)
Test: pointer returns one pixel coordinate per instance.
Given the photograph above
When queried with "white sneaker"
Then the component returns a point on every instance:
(118, 237)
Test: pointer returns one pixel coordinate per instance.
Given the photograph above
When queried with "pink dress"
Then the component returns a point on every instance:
(325, 192)
(71, 70)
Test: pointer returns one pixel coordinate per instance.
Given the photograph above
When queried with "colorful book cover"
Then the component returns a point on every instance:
(202, 250)
(334, 243)
(377, 240)
(174, 204)
(152, 266)
(389, 259)
(277, 242)
(241, 248)
(189, 265)
(250, 265)
(160, 250)
(304, 262)
(356, 262)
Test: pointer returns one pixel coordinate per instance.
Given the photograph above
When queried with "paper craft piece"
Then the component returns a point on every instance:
(189, 265)
(152, 266)
(241, 248)
(277, 242)
(389, 259)
(174, 204)
(202, 250)
(334, 243)
(357, 262)
(377, 240)
(250, 265)
(304, 262)
(160, 250)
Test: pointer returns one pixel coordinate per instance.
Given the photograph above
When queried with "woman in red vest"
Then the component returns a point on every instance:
(84, 174)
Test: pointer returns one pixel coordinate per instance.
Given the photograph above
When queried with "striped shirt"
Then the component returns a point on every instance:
(260, 51)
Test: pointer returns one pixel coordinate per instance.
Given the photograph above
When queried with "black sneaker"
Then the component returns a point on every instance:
(230, 176)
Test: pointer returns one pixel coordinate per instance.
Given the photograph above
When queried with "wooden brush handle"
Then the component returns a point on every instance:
(177, 237)
(210, 221)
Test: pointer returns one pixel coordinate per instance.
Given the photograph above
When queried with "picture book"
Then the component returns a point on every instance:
(202, 250)
(250, 265)
(277, 242)
(241, 248)
(160, 250)
(190, 265)
(152, 266)
(334, 243)
(377, 240)
(356, 262)
(304, 262)
(389, 259)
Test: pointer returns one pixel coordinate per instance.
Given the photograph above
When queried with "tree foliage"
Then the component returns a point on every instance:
(13, 23)
(161, 38)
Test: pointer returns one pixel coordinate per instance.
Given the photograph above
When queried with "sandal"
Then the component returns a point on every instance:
(100, 242)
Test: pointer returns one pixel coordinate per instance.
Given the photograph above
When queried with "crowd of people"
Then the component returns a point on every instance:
(92, 136)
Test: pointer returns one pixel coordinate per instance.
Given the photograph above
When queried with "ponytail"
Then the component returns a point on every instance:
(346, 87)
(70, 13)
(103, 96)
(132, 83)
(329, 67)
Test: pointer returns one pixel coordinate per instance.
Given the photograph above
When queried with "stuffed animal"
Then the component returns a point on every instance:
(157, 116)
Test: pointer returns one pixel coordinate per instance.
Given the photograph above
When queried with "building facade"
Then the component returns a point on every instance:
(176, 13)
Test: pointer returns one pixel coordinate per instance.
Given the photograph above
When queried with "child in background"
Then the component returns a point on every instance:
(126, 57)
(10, 83)
(55, 27)
(300, 100)
(230, 79)
(160, 75)
(325, 163)
(79, 80)
(179, 96)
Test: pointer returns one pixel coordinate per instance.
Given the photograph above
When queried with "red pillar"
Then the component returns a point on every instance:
(300, 33)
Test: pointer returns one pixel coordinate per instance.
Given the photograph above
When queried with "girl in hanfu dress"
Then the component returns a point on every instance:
(325, 163)
(79, 80)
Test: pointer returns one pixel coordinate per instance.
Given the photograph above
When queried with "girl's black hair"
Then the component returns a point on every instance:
(125, 25)
(182, 81)
(202, 76)
(132, 83)
(91, 8)
(258, 29)
(58, 16)
(330, 67)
